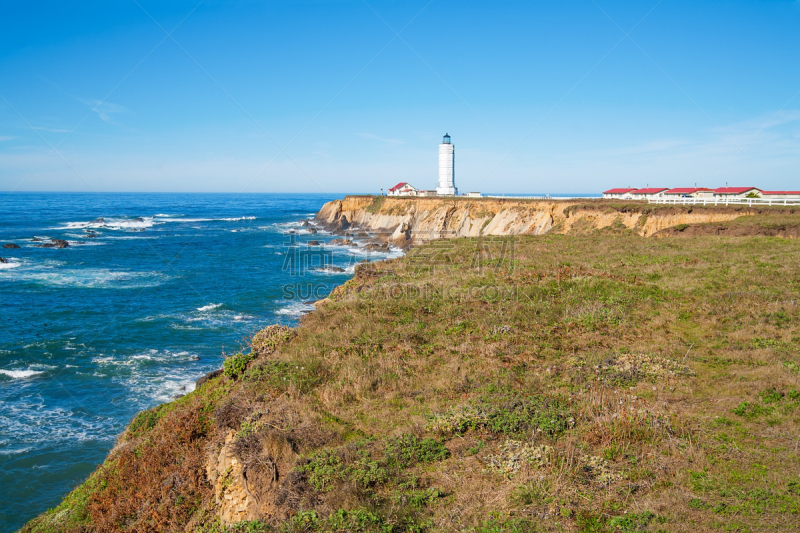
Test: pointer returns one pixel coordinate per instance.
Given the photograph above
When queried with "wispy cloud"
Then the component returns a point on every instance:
(45, 128)
(6, 138)
(374, 137)
(105, 110)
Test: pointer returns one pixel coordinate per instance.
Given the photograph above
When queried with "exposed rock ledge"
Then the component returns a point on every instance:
(406, 220)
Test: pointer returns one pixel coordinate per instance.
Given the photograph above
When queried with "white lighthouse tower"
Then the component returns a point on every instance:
(447, 167)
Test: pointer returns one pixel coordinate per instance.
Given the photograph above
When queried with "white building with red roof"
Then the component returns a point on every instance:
(780, 195)
(648, 192)
(736, 192)
(624, 193)
(689, 192)
(403, 189)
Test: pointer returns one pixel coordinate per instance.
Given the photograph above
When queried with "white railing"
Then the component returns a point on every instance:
(725, 201)
(542, 197)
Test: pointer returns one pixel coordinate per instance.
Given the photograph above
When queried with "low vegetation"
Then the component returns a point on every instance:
(599, 383)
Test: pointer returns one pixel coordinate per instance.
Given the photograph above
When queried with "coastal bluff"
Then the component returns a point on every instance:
(407, 220)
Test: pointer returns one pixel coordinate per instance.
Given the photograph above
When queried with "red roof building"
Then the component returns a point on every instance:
(690, 192)
(403, 189)
(780, 195)
(618, 191)
(651, 190)
(735, 192)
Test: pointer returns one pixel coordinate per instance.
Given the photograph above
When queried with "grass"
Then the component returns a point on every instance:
(601, 382)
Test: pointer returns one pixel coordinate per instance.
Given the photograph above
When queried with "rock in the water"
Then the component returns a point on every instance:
(3, 260)
(312, 231)
(341, 242)
(36, 239)
(332, 270)
(81, 242)
(314, 243)
(92, 236)
(304, 224)
(11, 245)
(138, 219)
(211, 375)
(100, 220)
(56, 243)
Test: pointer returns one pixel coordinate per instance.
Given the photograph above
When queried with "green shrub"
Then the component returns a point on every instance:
(406, 450)
(146, 420)
(771, 395)
(326, 468)
(752, 410)
(235, 365)
(633, 521)
(508, 415)
(323, 469)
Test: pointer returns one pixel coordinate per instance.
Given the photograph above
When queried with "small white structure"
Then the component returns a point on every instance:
(618, 193)
(403, 189)
(447, 165)
(473, 195)
(780, 195)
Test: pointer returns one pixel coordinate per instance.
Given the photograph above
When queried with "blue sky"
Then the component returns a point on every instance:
(340, 95)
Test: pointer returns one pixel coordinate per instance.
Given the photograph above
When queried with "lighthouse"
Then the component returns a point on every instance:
(447, 164)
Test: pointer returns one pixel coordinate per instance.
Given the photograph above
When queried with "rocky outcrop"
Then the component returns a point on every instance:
(404, 221)
(55, 243)
(249, 476)
(11, 245)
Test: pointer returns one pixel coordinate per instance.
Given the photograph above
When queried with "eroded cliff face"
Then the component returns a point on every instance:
(407, 220)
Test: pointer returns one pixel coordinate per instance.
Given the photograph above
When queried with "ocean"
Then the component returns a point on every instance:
(151, 292)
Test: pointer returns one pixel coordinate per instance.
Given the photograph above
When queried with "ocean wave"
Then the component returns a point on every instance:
(209, 307)
(295, 309)
(10, 264)
(112, 224)
(36, 423)
(171, 219)
(152, 375)
(21, 374)
(224, 219)
(91, 278)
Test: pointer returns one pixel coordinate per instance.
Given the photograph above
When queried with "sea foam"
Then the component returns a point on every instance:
(21, 374)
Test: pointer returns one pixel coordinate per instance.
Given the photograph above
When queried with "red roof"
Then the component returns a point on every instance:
(735, 190)
(686, 190)
(618, 191)
(780, 192)
(651, 190)
(398, 186)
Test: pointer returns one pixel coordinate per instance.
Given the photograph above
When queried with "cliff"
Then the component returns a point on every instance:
(597, 382)
(403, 220)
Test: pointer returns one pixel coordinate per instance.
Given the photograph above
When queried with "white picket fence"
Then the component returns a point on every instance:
(724, 201)
(541, 197)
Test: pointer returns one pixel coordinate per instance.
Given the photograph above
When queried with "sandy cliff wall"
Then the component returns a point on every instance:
(404, 220)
